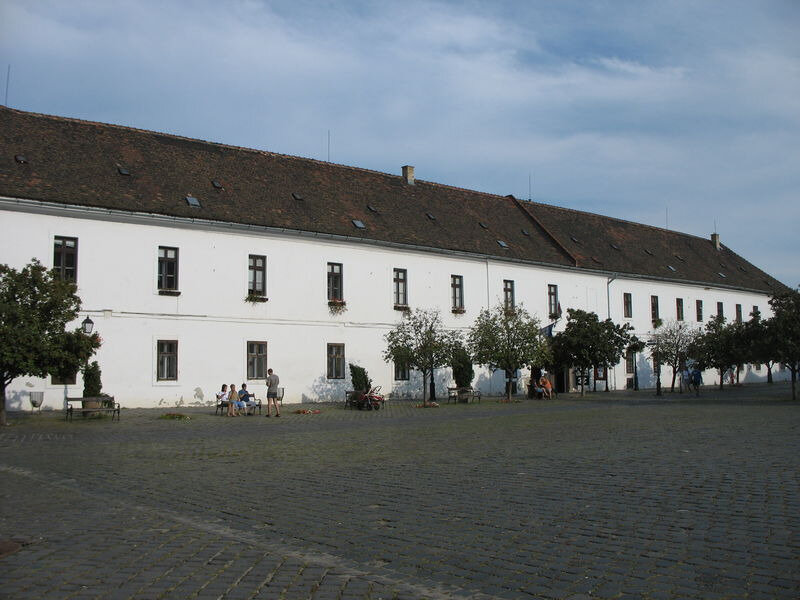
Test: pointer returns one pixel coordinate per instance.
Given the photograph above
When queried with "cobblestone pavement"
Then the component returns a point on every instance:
(612, 496)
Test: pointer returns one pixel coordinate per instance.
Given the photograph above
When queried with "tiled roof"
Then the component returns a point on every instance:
(107, 166)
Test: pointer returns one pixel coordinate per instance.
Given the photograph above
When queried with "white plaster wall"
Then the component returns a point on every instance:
(117, 267)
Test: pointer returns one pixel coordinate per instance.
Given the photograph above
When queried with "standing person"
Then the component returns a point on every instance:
(272, 392)
(233, 402)
(697, 380)
(247, 403)
(686, 378)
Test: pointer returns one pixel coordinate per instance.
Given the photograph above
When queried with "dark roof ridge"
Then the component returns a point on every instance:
(541, 226)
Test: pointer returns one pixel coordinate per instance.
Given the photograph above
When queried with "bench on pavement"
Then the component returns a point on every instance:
(90, 406)
(457, 394)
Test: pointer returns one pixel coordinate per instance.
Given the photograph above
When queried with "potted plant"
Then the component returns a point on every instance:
(361, 383)
(93, 396)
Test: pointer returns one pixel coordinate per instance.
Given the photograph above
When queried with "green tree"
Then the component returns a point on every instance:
(716, 347)
(507, 339)
(35, 309)
(761, 339)
(577, 345)
(611, 345)
(421, 342)
(673, 341)
(786, 324)
(461, 364)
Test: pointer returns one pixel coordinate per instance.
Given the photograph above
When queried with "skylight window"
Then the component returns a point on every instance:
(574, 239)
(722, 275)
(596, 260)
(671, 268)
(648, 252)
(615, 247)
(123, 170)
(526, 233)
(217, 185)
(502, 244)
(484, 225)
(372, 208)
(296, 196)
(430, 216)
(192, 201)
(680, 258)
(742, 269)
(20, 158)
(359, 224)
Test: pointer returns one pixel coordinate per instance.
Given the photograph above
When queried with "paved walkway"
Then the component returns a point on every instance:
(619, 495)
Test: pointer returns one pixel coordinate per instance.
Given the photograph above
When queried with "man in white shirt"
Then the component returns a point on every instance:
(272, 392)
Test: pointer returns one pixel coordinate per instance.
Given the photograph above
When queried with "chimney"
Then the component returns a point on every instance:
(715, 240)
(408, 174)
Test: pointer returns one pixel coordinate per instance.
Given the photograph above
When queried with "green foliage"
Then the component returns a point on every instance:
(35, 309)
(717, 347)
(92, 384)
(673, 341)
(360, 379)
(507, 339)
(421, 342)
(461, 364)
(785, 323)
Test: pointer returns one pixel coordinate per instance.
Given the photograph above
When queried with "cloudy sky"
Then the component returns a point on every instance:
(683, 114)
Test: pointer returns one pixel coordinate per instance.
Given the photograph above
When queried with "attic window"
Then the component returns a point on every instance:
(742, 269)
(372, 208)
(525, 232)
(502, 244)
(596, 260)
(217, 185)
(192, 201)
(671, 268)
(359, 224)
(722, 275)
(430, 216)
(648, 252)
(484, 225)
(614, 246)
(574, 239)
(296, 196)
(123, 170)
(20, 158)
(680, 258)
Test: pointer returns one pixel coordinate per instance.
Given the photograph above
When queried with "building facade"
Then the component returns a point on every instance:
(202, 264)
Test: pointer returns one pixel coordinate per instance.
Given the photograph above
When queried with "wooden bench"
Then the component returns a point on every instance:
(107, 405)
(467, 394)
(222, 406)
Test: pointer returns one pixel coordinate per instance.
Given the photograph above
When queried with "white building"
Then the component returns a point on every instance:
(203, 264)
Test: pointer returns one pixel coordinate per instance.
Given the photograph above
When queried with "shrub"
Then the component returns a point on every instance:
(92, 385)
(360, 379)
(461, 363)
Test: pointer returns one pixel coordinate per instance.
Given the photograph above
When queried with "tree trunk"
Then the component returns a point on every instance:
(769, 373)
(424, 388)
(672, 386)
(721, 378)
(3, 420)
(583, 381)
(635, 375)
(433, 388)
(794, 381)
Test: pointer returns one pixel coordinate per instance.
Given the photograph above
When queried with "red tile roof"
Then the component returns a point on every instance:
(79, 163)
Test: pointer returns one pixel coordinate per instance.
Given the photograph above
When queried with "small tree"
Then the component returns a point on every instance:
(461, 364)
(673, 341)
(786, 324)
(359, 378)
(611, 345)
(35, 308)
(716, 347)
(577, 345)
(421, 342)
(761, 339)
(507, 339)
(92, 383)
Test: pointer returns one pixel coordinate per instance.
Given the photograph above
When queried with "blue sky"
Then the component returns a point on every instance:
(670, 113)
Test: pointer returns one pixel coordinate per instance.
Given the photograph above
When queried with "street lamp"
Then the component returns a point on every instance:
(87, 325)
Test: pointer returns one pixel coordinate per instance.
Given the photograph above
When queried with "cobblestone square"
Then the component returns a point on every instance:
(617, 495)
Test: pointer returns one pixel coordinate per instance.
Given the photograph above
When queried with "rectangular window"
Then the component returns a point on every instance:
(167, 369)
(630, 357)
(756, 311)
(720, 310)
(335, 361)
(69, 380)
(401, 372)
(699, 305)
(654, 308)
(627, 305)
(256, 360)
(457, 297)
(400, 287)
(552, 301)
(738, 313)
(508, 294)
(65, 258)
(335, 283)
(257, 275)
(167, 268)
(679, 308)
